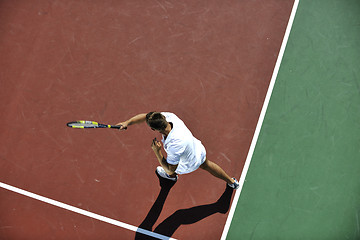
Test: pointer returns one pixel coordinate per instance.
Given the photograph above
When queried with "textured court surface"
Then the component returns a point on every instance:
(210, 62)
(303, 181)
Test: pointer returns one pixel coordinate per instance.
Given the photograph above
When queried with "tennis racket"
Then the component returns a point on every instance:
(90, 124)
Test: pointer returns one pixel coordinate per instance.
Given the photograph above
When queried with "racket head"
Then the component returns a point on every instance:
(83, 124)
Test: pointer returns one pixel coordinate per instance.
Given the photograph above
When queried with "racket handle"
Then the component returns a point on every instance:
(118, 127)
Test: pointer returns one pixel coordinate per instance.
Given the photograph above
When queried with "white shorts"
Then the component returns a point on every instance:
(183, 168)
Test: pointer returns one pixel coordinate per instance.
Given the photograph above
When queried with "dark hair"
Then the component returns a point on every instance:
(156, 121)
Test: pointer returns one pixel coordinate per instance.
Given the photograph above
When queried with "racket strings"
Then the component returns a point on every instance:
(83, 124)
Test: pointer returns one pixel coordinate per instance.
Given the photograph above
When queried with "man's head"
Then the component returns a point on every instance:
(156, 121)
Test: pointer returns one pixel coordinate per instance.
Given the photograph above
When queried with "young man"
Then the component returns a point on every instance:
(185, 153)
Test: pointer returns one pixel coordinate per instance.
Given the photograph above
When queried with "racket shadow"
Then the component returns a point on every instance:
(181, 216)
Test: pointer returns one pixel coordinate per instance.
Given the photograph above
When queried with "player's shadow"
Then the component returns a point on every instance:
(182, 216)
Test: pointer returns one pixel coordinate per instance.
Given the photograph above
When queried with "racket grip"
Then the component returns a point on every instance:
(117, 127)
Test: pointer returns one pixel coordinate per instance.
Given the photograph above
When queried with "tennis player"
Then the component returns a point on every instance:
(184, 152)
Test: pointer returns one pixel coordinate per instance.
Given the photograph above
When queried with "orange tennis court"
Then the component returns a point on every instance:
(209, 62)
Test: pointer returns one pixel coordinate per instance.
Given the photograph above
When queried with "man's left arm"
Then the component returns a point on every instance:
(169, 168)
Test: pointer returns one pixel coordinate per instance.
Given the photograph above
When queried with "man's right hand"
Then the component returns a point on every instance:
(123, 125)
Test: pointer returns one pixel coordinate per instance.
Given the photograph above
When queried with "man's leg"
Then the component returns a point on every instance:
(216, 171)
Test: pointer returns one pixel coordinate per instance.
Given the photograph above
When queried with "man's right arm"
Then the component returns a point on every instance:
(140, 118)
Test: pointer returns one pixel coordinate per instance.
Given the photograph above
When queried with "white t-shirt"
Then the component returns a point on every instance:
(182, 148)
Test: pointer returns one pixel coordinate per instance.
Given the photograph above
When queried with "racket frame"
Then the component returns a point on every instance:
(93, 124)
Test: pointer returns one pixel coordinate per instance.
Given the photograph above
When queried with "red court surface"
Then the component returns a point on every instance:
(209, 62)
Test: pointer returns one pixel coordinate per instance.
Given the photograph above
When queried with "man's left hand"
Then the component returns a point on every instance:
(156, 145)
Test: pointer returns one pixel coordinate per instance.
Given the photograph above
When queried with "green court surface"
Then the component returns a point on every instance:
(304, 177)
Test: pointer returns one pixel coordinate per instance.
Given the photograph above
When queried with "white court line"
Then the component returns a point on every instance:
(83, 212)
(260, 121)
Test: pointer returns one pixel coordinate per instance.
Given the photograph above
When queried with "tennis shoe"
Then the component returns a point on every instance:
(163, 174)
(234, 185)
